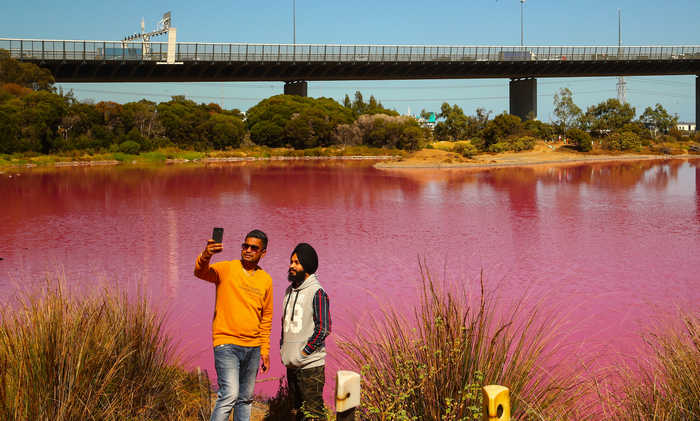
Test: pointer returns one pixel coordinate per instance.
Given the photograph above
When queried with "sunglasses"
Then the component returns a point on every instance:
(245, 246)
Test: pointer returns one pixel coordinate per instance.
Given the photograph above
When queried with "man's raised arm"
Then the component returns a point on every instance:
(202, 270)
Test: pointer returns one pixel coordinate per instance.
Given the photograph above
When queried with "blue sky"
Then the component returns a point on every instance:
(447, 22)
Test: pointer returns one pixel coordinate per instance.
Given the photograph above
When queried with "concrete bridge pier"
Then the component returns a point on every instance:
(523, 98)
(296, 87)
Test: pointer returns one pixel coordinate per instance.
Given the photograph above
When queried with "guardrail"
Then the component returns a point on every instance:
(33, 49)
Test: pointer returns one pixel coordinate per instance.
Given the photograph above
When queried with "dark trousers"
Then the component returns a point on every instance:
(306, 392)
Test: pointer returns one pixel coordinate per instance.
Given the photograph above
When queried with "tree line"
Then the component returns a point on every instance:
(36, 118)
(610, 124)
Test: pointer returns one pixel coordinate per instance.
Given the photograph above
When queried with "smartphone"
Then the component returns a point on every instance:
(218, 235)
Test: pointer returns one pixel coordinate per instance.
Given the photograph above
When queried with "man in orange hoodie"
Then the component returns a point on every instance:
(242, 323)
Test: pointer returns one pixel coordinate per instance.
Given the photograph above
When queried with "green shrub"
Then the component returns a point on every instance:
(121, 157)
(516, 144)
(524, 143)
(478, 143)
(154, 156)
(622, 141)
(665, 139)
(581, 139)
(502, 127)
(465, 149)
(129, 147)
(500, 147)
(301, 122)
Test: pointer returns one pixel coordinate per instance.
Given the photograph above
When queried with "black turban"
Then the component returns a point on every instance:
(307, 257)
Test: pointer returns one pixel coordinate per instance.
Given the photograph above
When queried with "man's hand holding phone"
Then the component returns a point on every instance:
(215, 244)
(213, 248)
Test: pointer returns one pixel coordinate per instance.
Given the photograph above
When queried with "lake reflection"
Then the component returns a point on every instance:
(610, 245)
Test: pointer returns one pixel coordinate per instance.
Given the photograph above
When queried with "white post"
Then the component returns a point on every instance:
(347, 394)
(172, 47)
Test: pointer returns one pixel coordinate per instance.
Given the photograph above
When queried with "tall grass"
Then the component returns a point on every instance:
(100, 357)
(664, 386)
(431, 365)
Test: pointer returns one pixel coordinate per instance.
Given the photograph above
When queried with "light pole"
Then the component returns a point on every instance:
(294, 21)
(522, 37)
(620, 80)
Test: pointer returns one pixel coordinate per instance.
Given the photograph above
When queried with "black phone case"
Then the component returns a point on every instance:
(218, 235)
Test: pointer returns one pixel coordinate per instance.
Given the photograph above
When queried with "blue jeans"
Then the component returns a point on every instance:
(236, 368)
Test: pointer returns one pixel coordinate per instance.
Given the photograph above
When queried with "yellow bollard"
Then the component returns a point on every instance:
(496, 405)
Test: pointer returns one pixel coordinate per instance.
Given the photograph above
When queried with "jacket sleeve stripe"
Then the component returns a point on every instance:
(322, 322)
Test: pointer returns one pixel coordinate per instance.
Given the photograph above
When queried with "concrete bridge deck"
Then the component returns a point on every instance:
(120, 61)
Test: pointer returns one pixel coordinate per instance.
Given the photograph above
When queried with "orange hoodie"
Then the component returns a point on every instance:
(243, 311)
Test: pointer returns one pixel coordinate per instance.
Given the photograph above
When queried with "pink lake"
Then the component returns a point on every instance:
(613, 247)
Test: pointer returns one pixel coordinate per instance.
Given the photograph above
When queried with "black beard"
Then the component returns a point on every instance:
(296, 279)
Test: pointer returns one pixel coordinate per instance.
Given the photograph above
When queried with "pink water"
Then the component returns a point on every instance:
(611, 247)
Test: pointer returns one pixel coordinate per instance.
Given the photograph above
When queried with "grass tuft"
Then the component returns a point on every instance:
(100, 357)
(432, 364)
(663, 387)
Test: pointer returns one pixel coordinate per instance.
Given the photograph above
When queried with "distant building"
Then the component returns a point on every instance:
(686, 127)
(427, 122)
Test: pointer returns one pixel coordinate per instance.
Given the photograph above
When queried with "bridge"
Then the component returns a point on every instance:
(295, 64)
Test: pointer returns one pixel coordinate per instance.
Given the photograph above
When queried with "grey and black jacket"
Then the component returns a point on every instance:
(306, 322)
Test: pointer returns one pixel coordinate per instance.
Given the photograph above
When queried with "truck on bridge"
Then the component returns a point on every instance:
(516, 56)
(112, 53)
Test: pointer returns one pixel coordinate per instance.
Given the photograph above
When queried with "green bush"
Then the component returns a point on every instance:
(500, 147)
(129, 147)
(581, 139)
(622, 141)
(300, 122)
(513, 144)
(394, 132)
(665, 139)
(502, 127)
(478, 143)
(524, 143)
(465, 149)
(539, 129)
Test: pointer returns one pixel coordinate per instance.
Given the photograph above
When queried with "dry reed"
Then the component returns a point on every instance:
(665, 386)
(99, 357)
(431, 365)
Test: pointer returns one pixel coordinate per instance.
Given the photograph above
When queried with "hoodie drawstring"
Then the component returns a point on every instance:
(295, 304)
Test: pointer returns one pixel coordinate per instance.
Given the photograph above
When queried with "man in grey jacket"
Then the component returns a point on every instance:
(306, 322)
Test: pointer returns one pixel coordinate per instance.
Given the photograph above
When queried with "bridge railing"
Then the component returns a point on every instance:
(83, 50)
(30, 49)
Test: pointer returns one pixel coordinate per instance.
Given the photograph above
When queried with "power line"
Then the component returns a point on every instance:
(666, 94)
(319, 86)
(151, 94)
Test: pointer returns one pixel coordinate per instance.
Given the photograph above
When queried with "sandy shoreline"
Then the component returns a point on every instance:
(524, 163)
(423, 159)
(542, 155)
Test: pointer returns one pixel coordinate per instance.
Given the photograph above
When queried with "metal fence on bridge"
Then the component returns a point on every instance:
(29, 49)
